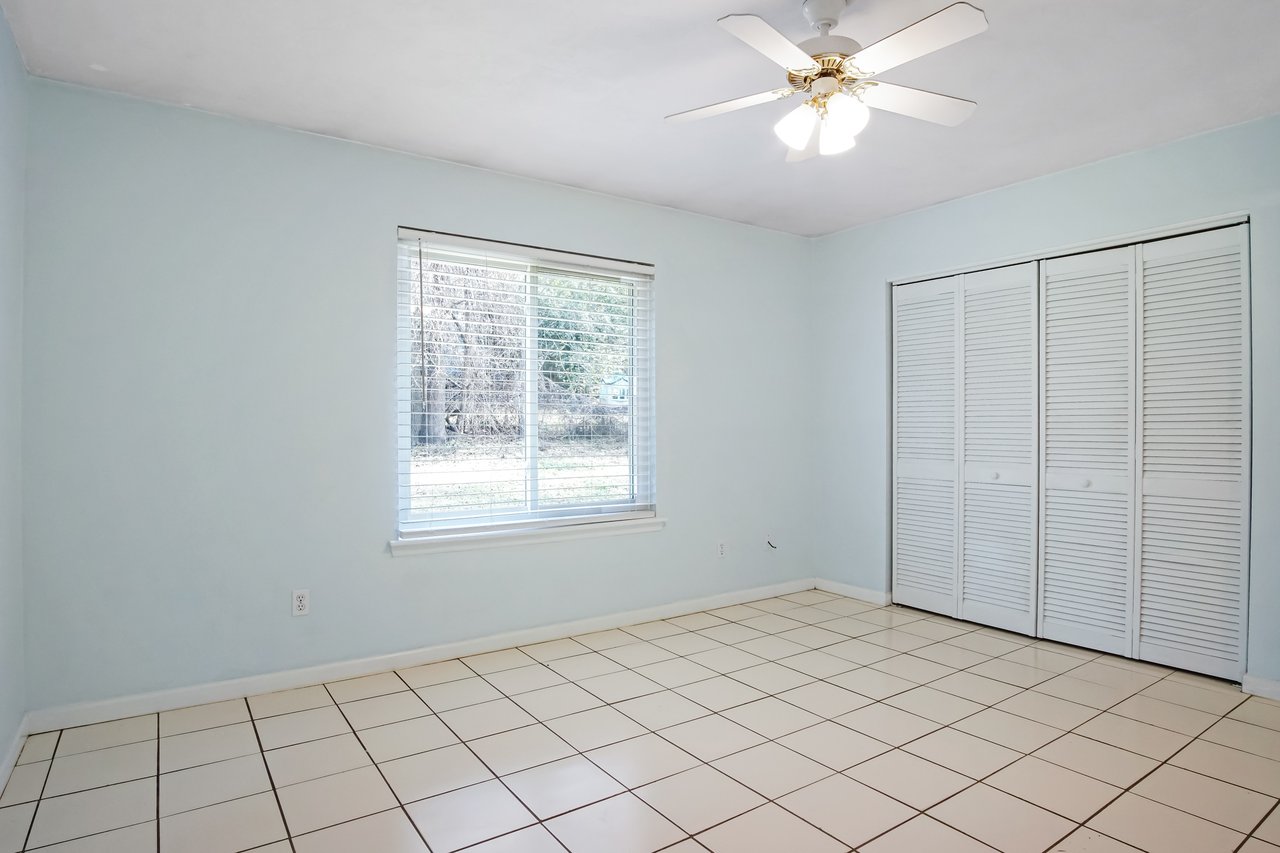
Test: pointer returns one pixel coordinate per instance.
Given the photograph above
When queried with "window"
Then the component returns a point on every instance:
(525, 387)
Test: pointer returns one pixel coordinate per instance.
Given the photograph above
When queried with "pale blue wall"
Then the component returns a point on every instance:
(1231, 170)
(210, 401)
(209, 391)
(13, 146)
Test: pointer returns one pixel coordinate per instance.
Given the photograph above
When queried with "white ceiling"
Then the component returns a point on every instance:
(574, 91)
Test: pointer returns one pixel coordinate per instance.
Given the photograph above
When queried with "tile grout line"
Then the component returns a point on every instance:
(982, 780)
(1077, 825)
(710, 764)
(1099, 712)
(26, 841)
(1253, 833)
(539, 821)
(1129, 789)
(158, 780)
(626, 789)
(275, 792)
(844, 773)
(1135, 783)
(377, 767)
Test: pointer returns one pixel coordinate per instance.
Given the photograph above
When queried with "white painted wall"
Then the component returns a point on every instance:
(1235, 169)
(210, 402)
(13, 146)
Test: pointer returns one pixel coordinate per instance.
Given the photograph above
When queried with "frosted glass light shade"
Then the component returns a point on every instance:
(845, 119)
(796, 127)
(848, 113)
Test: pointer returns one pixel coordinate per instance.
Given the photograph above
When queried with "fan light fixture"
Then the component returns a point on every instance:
(838, 76)
(837, 118)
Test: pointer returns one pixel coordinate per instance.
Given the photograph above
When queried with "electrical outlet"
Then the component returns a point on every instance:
(301, 602)
(722, 550)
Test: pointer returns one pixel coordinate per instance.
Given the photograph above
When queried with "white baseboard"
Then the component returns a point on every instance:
(9, 759)
(1258, 686)
(871, 596)
(66, 716)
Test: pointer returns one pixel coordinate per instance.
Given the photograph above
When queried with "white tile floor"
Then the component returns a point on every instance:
(803, 723)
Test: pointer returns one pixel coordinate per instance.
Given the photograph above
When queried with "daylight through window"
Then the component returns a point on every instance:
(525, 387)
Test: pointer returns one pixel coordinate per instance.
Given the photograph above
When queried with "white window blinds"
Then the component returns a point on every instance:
(525, 387)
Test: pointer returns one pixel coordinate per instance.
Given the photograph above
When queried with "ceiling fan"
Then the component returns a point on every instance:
(838, 75)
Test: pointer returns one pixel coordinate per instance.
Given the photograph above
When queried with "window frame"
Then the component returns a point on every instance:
(537, 524)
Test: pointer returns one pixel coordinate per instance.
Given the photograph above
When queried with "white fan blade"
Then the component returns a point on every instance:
(754, 32)
(811, 151)
(729, 106)
(941, 29)
(917, 103)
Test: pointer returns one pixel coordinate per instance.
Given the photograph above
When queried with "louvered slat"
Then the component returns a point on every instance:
(1086, 560)
(1194, 451)
(924, 538)
(1086, 551)
(924, 493)
(999, 548)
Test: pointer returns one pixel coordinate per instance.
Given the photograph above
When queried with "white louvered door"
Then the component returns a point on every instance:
(999, 439)
(925, 380)
(1086, 510)
(1194, 451)
(1073, 460)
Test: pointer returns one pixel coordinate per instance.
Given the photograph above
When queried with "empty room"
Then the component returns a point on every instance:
(749, 426)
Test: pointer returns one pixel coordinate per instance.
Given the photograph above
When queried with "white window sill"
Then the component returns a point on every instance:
(441, 543)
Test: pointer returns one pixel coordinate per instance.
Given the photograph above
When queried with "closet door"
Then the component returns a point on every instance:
(925, 366)
(999, 437)
(1086, 512)
(1194, 451)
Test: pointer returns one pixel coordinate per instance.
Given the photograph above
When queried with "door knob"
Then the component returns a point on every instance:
(995, 475)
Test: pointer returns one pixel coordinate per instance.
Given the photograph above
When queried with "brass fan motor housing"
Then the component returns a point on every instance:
(830, 65)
